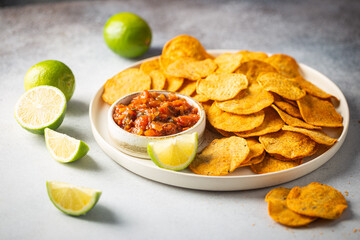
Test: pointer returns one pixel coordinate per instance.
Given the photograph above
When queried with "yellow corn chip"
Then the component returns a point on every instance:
(221, 157)
(316, 135)
(293, 121)
(279, 211)
(290, 145)
(158, 80)
(222, 86)
(191, 69)
(228, 62)
(270, 164)
(126, 82)
(319, 112)
(286, 65)
(272, 123)
(251, 100)
(283, 86)
(317, 200)
(232, 122)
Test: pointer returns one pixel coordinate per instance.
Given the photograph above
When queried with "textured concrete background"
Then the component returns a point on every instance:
(322, 34)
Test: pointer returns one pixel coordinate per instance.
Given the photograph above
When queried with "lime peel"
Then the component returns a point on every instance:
(63, 147)
(71, 199)
(175, 153)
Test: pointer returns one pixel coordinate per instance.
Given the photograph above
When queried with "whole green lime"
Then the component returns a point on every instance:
(51, 73)
(127, 35)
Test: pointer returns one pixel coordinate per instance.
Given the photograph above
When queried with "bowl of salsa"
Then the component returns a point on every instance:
(153, 115)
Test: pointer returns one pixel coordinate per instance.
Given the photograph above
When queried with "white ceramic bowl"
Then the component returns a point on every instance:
(136, 145)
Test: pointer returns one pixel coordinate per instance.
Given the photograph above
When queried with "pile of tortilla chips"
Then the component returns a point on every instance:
(259, 100)
(300, 206)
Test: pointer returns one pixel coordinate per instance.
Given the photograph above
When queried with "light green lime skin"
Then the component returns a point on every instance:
(51, 73)
(83, 212)
(82, 151)
(127, 35)
(54, 125)
(178, 168)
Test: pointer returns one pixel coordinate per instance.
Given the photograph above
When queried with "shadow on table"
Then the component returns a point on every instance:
(74, 132)
(86, 163)
(77, 108)
(101, 214)
(330, 224)
(153, 51)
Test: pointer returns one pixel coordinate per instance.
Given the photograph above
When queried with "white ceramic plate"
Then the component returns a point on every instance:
(240, 179)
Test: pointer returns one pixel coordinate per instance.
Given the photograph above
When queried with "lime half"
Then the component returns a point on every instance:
(71, 199)
(63, 147)
(175, 153)
(39, 108)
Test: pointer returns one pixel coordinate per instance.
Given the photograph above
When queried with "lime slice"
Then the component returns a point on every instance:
(175, 153)
(63, 147)
(39, 108)
(71, 199)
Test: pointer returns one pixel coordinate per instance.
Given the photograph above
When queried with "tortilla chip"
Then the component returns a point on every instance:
(312, 89)
(256, 150)
(254, 160)
(126, 82)
(225, 133)
(158, 80)
(319, 112)
(173, 83)
(285, 65)
(270, 164)
(279, 211)
(316, 135)
(228, 62)
(222, 86)
(221, 157)
(288, 108)
(232, 122)
(272, 123)
(207, 105)
(251, 100)
(200, 97)
(293, 121)
(317, 200)
(191, 69)
(249, 55)
(150, 65)
(290, 145)
(253, 68)
(283, 86)
(182, 46)
(279, 193)
(187, 88)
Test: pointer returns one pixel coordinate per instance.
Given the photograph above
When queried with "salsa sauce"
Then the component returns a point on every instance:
(154, 114)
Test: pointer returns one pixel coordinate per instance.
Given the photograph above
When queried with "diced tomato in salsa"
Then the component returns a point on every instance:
(154, 114)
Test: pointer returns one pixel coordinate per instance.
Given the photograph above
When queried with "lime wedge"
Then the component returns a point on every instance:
(71, 199)
(39, 108)
(175, 153)
(63, 147)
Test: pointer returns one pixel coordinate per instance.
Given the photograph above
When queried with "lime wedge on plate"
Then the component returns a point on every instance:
(63, 147)
(39, 108)
(71, 199)
(175, 153)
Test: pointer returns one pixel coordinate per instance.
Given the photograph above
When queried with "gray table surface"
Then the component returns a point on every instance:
(322, 34)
